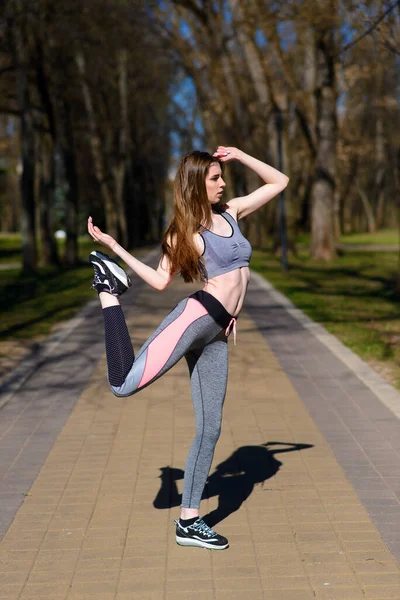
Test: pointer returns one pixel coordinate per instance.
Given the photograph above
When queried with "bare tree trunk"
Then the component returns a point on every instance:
(14, 196)
(5, 207)
(132, 185)
(380, 171)
(337, 213)
(369, 213)
(266, 134)
(12, 191)
(397, 208)
(47, 177)
(119, 169)
(95, 146)
(27, 133)
(322, 226)
(154, 207)
(251, 54)
(72, 198)
(28, 225)
(290, 197)
(46, 189)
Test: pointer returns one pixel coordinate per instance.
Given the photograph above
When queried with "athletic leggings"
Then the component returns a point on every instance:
(197, 329)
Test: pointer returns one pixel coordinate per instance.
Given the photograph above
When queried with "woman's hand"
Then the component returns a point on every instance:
(226, 153)
(99, 236)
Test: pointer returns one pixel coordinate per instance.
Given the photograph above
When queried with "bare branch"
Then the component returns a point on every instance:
(369, 30)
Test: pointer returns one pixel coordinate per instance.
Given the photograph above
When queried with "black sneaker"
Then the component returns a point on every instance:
(108, 275)
(199, 534)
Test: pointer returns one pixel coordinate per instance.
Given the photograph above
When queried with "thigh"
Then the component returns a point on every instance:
(185, 327)
(208, 367)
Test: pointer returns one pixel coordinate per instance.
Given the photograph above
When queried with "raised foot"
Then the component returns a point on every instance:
(108, 275)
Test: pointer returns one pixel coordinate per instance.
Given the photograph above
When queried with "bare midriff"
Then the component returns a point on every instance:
(230, 289)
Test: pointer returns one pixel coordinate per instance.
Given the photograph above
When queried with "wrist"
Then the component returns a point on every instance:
(239, 154)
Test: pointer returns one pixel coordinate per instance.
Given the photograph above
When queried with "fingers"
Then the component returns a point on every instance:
(90, 226)
(93, 230)
(98, 235)
(222, 152)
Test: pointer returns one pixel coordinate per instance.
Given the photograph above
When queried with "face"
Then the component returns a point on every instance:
(214, 183)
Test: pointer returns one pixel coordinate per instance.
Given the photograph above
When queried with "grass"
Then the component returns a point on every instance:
(10, 247)
(383, 237)
(353, 297)
(30, 306)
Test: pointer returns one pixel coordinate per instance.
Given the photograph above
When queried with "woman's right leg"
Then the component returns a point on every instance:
(186, 326)
(119, 349)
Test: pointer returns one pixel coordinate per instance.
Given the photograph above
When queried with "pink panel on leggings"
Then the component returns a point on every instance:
(161, 348)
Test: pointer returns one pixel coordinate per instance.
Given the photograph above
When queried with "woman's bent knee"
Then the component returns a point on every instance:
(123, 391)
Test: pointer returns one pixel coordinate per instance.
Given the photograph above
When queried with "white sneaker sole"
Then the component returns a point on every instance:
(198, 543)
(115, 269)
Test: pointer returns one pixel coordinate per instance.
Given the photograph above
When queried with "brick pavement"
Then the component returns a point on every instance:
(97, 521)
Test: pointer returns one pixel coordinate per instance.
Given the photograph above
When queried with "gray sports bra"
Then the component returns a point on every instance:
(225, 253)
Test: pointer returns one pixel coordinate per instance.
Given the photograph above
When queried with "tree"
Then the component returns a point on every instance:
(322, 224)
(20, 33)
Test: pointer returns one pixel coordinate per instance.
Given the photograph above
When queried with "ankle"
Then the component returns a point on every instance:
(107, 300)
(189, 513)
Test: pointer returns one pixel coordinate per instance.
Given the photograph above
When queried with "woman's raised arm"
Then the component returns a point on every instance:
(275, 181)
(158, 278)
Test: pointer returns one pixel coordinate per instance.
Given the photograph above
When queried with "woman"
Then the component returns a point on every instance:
(202, 242)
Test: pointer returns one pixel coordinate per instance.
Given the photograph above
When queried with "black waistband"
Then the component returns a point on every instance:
(214, 307)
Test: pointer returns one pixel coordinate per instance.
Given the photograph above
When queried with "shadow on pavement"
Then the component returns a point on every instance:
(232, 481)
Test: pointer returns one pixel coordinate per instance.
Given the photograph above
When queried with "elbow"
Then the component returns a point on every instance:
(162, 285)
(283, 184)
(159, 286)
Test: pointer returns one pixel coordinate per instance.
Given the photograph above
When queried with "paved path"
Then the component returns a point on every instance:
(305, 480)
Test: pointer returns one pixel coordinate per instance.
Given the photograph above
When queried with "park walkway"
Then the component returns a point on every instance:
(305, 481)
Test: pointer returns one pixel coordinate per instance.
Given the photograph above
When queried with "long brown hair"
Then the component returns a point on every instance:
(192, 210)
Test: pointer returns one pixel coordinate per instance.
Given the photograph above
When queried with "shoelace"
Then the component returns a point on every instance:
(100, 278)
(232, 323)
(202, 527)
